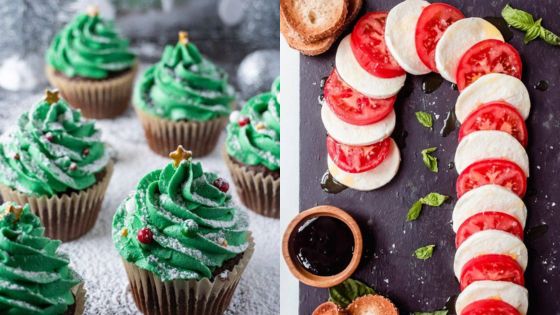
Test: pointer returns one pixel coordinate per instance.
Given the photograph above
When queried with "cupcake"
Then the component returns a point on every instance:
(54, 161)
(92, 66)
(183, 241)
(253, 152)
(35, 277)
(184, 99)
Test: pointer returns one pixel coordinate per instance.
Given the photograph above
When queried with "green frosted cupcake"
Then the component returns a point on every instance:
(253, 152)
(184, 99)
(34, 277)
(92, 66)
(183, 240)
(55, 161)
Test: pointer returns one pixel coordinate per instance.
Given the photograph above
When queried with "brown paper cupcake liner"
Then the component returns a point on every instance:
(79, 293)
(106, 98)
(185, 297)
(68, 216)
(258, 192)
(165, 135)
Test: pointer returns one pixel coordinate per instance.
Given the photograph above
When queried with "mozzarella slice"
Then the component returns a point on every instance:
(493, 87)
(357, 77)
(372, 179)
(490, 144)
(511, 293)
(400, 33)
(346, 133)
(485, 198)
(490, 242)
(457, 39)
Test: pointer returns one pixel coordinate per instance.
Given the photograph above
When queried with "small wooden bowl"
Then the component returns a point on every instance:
(323, 281)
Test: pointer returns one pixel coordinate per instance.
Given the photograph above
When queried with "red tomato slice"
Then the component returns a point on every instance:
(353, 107)
(488, 56)
(433, 21)
(358, 159)
(496, 116)
(490, 307)
(493, 267)
(492, 171)
(368, 44)
(490, 220)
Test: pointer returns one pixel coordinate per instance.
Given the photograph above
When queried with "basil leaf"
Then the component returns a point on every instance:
(349, 290)
(425, 252)
(549, 37)
(441, 312)
(434, 199)
(517, 18)
(425, 119)
(414, 211)
(533, 32)
(430, 161)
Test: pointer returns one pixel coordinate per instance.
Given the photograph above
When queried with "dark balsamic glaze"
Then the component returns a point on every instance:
(450, 305)
(542, 85)
(449, 124)
(321, 99)
(451, 165)
(536, 232)
(323, 245)
(431, 82)
(454, 87)
(330, 185)
(322, 82)
(501, 25)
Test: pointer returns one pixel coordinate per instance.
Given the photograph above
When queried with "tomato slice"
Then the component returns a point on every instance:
(496, 116)
(358, 159)
(492, 171)
(353, 107)
(493, 267)
(368, 44)
(490, 307)
(488, 56)
(433, 21)
(490, 220)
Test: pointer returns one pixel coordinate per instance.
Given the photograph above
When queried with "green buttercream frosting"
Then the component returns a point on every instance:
(52, 150)
(196, 227)
(34, 278)
(89, 47)
(184, 85)
(258, 141)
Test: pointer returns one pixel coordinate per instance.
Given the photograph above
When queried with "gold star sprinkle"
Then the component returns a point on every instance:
(93, 10)
(52, 96)
(124, 232)
(222, 241)
(183, 37)
(179, 155)
(16, 210)
(260, 126)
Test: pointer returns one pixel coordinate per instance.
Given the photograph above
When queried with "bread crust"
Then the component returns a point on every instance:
(372, 304)
(354, 7)
(296, 42)
(329, 308)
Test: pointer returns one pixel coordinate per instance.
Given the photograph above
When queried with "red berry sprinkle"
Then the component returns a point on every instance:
(17, 157)
(85, 152)
(145, 236)
(221, 184)
(243, 121)
(73, 166)
(49, 136)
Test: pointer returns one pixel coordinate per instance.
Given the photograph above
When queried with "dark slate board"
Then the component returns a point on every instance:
(387, 264)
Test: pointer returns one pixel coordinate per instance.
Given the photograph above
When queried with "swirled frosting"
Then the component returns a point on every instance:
(184, 85)
(253, 135)
(195, 226)
(52, 150)
(89, 47)
(34, 278)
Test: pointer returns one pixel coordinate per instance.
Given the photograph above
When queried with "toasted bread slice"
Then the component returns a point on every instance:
(372, 305)
(329, 308)
(354, 7)
(296, 42)
(314, 20)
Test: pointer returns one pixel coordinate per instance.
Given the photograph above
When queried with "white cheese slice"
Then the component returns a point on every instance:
(457, 39)
(511, 293)
(357, 77)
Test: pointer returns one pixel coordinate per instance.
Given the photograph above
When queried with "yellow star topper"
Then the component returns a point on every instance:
(16, 210)
(93, 10)
(52, 96)
(183, 37)
(179, 155)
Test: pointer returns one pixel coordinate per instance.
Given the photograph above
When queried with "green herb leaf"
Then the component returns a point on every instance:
(434, 199)
(533, 32)
(425, 252)
(441, 312)
(349, 290)
(430, 161)
(425, 119)
(414, 211)
(549, 37)
(517, 18)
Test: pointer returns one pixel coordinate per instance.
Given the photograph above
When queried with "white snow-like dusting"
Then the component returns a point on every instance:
(94, 257)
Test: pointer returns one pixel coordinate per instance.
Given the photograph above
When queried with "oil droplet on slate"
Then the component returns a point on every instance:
(322, 82)
(451, 165)
(450, 305)
(449, 124)
(542, 85)
(431, 82)
(321, 99)
(454, 87)
(330, 185)
(536, 232)
(501, 25)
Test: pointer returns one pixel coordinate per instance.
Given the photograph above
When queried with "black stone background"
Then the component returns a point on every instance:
(388, 265)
